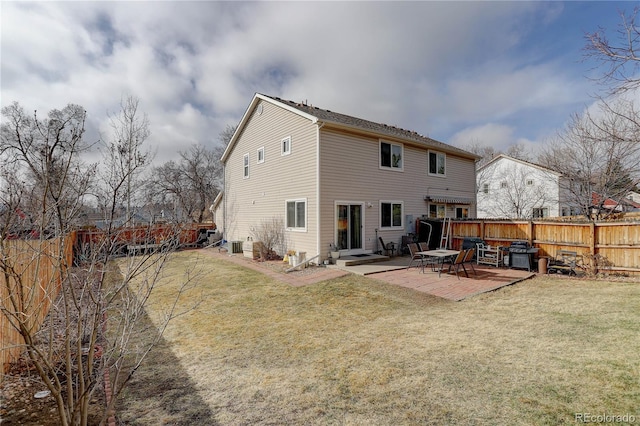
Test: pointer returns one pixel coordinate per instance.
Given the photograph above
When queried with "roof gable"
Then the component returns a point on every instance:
(501, 157)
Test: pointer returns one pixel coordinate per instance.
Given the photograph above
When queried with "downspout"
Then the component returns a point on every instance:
(224, 201)
(319, 125)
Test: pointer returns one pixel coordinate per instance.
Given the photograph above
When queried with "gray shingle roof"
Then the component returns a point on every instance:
(382, 129)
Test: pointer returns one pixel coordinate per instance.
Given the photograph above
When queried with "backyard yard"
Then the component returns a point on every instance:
(353, 350)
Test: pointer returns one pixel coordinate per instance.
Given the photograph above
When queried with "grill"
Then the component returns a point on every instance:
(521, 255)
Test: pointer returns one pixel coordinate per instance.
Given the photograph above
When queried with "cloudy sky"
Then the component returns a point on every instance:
(495, 73)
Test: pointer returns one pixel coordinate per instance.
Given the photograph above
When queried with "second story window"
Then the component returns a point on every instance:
(391, 155)
(260, 155)
(437, 163)
(286, 145)
(245, 166)
(485, 188)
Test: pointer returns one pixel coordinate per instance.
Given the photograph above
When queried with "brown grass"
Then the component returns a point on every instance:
(356, 351)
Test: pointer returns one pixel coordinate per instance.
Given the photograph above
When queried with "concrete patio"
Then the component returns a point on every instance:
(447, 285)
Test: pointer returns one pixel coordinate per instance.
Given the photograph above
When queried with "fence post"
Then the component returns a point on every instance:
(592, 247)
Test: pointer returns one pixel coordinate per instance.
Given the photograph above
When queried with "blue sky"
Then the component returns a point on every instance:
(493, 73)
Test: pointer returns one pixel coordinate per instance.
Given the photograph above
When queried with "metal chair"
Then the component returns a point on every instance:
(469, 259)
(458, 262)
(389, 248)
(415, 257)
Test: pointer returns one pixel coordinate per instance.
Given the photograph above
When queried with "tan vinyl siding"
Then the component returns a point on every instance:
(250, 201)
(349, 171)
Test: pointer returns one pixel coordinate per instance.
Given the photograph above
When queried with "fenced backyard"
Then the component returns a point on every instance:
(38, 263)
(605, 247)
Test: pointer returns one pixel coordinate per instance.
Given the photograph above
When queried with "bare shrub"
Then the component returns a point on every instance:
(271, 233)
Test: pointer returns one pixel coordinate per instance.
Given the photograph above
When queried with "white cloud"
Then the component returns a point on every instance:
(433, 67)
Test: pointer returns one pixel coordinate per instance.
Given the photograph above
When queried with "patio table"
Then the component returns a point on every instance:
(440, 254)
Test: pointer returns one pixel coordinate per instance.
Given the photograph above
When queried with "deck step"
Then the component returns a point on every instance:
(361, 259)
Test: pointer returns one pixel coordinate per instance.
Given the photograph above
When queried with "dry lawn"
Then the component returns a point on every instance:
(357, 351)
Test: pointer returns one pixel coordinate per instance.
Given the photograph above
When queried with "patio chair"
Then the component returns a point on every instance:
(415, 257)
(469, 259)
(458, 262)
(388, 248)
(424, 246)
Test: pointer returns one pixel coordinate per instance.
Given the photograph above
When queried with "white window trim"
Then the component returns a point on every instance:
(245, 166)
(260, 150)
(397, 169)
(444, 175)
(392, 202)
(284, 152)
(306, 214)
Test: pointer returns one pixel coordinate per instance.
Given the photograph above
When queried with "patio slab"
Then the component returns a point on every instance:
(447, 285)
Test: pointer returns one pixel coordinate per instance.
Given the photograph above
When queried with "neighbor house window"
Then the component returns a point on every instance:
(504, 184)
(286, 145)
(437, 162)
(297, 214)
(391, 214)
(462, 212)
(245, 163)
(529, 182)
(261, 155)
(485, 188)
(391, 155)
(437, 211)
(540, 212)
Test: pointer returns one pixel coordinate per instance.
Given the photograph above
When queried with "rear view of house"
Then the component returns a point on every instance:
(337, 180)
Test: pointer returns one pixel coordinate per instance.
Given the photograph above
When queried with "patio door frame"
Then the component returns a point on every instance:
(349, 225)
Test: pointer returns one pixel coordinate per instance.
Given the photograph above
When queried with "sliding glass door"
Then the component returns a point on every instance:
(349, 226)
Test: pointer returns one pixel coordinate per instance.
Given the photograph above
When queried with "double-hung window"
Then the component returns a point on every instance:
(245, 166)
(297, 214)
(260, 155)
(391, 214)
(391, 155)
(437, 163)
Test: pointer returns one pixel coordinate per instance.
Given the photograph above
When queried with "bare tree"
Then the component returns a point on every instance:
(619, 59)
(599, 154)
(96, 309)
(55, 180)
(125, 158)
(191, 183)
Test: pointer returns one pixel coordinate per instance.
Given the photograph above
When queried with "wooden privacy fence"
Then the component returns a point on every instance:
(614, 246)
(39, 264)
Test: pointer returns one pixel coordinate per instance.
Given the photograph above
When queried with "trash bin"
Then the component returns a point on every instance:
(542, 265)
(302, 257)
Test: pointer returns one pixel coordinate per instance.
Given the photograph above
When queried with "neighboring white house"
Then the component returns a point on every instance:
(337, 179)
(517, 189)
